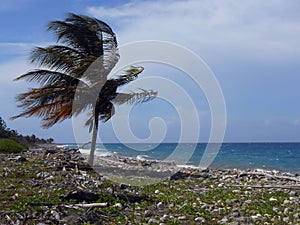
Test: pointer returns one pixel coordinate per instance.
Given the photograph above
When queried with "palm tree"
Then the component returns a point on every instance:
(62, 74)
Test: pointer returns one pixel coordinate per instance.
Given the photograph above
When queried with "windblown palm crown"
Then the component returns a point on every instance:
(81, 41)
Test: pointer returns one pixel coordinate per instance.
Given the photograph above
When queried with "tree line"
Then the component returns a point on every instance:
(28, 140)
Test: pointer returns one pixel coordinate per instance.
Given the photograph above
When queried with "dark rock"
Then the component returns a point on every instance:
(205, 170)
(123, 186)
(21, 159)
(182, 175)
(130, 198)
(204, 175)
(90, 217)
(93, 217)
(81, 196)
(51, 151)
(179, 175)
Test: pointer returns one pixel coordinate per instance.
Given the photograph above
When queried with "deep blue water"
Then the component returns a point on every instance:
(270, 156)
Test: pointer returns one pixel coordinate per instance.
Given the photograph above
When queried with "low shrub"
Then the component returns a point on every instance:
(10, 146)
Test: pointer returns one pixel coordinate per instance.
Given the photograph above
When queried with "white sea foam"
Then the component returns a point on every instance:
(189, 167)
(62, 146)
(144, 158)
(98, 152)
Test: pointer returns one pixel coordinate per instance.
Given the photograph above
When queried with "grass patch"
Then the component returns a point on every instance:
(10, 146)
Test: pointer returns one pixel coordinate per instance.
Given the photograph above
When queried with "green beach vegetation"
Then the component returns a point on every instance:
(10, 146)
(12, 140)
(36, 190)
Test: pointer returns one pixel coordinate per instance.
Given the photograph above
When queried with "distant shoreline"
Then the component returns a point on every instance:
(281, 157)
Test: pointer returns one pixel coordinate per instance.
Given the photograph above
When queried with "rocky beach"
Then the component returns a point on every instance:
(51, 185)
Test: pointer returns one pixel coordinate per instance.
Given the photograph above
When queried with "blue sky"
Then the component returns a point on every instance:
(252, 47)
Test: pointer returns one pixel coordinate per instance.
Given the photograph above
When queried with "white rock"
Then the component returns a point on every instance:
(224, 220)
(182, 218)
(200, 219)
(160, 206)
(119, 205)
(254, 217)
(248, 201)
(43, 175)
(285, 202)
(204, 206)
(286, 210)
(165, 217)
(272, 199)
(156, 191)
(55, 214)
(285, 219)
(152, 221)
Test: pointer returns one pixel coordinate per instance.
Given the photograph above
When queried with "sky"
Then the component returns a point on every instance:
(252, 48)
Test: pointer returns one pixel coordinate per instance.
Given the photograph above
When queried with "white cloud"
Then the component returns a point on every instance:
(17, 49)
(261, 30)
(11, 48)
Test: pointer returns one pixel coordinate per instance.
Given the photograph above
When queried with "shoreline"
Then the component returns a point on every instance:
(131, 171)
(57, 186)
(226, 159)
(163, 166)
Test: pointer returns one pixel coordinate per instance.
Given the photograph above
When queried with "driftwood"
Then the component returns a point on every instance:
(79, 205)
(90, 205)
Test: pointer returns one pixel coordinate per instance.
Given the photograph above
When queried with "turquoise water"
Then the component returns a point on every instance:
(283, 157)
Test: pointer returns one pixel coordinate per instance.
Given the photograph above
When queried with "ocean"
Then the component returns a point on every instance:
(283, 157)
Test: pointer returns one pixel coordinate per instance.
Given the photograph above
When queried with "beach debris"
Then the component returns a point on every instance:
(232, 202)
(43, 175)
(118, 205)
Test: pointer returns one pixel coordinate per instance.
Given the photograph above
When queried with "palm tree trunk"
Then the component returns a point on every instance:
(93, 143)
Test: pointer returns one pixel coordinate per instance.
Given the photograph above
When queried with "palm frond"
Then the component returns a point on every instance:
(89, 35)
(130, 74)
(73, 74)
(135, 97)
(59, 58)
(47, 77)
